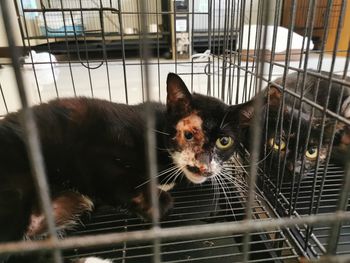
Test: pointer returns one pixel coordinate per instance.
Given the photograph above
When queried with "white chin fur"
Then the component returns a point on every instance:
(96, 260)
(196, 179)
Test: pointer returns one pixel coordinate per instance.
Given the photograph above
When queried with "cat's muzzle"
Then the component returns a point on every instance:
(200, 171)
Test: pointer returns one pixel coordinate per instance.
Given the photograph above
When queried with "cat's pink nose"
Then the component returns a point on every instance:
(203, 169)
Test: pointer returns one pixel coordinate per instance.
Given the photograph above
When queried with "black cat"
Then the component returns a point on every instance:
(295, 155)
(95, 149)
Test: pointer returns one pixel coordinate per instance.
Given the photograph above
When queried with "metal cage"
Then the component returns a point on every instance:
(230, 49)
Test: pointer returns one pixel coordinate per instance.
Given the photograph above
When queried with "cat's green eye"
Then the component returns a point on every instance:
(276, 146)
(311, 153)
(224, 142)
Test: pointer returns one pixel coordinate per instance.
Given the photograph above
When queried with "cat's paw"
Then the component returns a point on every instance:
(345, 108)
(166, 203)
(68, 207)
(141, 204)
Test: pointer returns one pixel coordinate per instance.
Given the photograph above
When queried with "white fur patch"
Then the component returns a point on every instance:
(97, 260)
(186, 157)
(166, 187)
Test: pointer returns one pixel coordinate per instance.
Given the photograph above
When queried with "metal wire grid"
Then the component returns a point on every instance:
(194, 206)
(221, 67)
(316, 241)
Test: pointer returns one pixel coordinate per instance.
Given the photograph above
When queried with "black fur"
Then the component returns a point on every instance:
(97, 148)
(293, 159)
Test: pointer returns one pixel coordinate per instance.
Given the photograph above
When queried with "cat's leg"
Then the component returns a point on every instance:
(15, 209)
(141, 203)
(14, 215)
(68, 207)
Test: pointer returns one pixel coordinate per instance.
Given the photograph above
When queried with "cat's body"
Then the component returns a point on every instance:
(97, 149)
(292, 152)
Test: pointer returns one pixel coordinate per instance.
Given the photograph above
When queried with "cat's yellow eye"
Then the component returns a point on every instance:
(311, 153)
(276, 146)
(224, 142)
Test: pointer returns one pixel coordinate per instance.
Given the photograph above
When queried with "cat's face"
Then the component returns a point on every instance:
(297, 155)
(285, 150)
(204, 132)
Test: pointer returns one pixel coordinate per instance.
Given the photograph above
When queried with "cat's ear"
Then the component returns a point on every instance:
(245, 112)
(274, 96)
(179, 99)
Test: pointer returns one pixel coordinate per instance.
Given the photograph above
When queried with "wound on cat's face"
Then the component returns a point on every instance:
(204, 131)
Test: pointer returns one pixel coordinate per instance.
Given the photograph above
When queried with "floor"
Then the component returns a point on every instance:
(107, 81)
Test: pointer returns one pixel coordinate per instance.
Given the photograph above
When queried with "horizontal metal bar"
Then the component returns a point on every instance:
(44, 10)
(267, 250)
(32, 10)
(182, 242)
(173, 233)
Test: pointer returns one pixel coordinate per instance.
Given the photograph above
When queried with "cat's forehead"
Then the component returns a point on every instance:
(192, 121)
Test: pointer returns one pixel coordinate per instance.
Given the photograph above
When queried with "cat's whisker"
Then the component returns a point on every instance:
(240, 184)
(174, 174)
(163, 149)
(172, 168)
(161, 132)
(165, 171)
(223, 119)
(216, 191)
(224, 192)
(237, 177)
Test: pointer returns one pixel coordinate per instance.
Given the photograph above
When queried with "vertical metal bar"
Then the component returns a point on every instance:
(256, 134)
(31, 133)
(231, 47)
(224, 49)
(120, 18)
(104, 50)
(3, 99)
(210, 10)
(307, 33)
(151, 140)
(285, 72)
(247, 50)
(175, 34)
(192, 42)
(20, 22)
(158, 51)
(49, 46)
(272, 58)
(30, 53)
(218, 52)
(86, 49)
(241, 32)
(141, 46)
(343, 199)
(236, 21)
(68, 48)
(212, 91)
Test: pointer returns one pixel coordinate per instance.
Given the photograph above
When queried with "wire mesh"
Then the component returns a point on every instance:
(232, 49)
